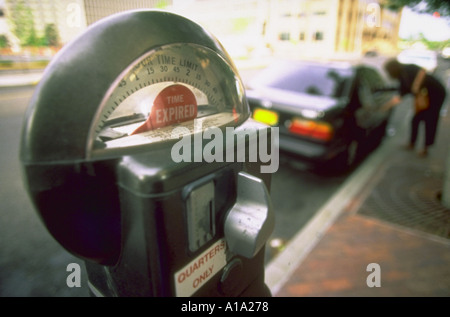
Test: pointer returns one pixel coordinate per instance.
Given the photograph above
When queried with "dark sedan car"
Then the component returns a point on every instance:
(326, 112)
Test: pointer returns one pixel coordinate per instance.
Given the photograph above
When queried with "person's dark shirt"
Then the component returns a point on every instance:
(407, 76)
(436, 91)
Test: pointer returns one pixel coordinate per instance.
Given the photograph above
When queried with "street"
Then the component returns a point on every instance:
(31, 261)
(33, 264)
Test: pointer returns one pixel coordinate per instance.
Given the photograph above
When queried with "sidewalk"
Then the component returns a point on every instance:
(388, 213)
(21, 78)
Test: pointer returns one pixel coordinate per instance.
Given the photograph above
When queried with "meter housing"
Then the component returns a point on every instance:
(96, 156)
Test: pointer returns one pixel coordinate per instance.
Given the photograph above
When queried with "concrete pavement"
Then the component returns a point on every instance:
(385, 233)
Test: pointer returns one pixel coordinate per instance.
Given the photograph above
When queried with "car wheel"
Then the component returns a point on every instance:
(344, 161)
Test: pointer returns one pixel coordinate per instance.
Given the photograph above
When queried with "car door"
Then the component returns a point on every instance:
(364, 113)
(370, 115)
(379, 93)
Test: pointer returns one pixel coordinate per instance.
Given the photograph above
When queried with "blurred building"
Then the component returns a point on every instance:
(70, 17)
(298, 28)
(247, 28)
(4, 28)
(98, 9)
(66, 16)
(332, 28)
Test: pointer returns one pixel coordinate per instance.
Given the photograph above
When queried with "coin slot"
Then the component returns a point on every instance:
(201, 216)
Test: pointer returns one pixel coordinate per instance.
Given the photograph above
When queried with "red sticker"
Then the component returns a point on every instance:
(174, 104)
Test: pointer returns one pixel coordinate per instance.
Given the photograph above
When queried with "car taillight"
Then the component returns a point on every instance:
(314, 129)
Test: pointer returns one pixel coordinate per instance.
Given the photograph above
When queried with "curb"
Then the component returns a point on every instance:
(280, 269)
(19, 80)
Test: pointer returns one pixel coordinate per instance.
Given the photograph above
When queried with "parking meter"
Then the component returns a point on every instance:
(130, 154)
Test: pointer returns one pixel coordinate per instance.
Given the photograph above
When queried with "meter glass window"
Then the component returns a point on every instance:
(178, 85)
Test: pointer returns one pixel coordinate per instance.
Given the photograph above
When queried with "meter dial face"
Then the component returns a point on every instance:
(178, 85)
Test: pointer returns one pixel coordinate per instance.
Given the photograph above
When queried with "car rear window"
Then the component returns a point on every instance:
(319, 80)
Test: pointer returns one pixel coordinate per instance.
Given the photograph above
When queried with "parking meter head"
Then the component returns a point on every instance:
(113, 76)
(119, 89)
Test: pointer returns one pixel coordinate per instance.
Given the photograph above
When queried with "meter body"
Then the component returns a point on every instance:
(130, 154)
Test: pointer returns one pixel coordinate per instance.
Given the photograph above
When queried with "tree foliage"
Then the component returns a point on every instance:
(22, 22)
(431, 45)
(4, 41)
(51, 35)
(22, 25)
(430, 6)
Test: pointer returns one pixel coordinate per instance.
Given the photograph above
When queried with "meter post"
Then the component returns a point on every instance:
(97, 157)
